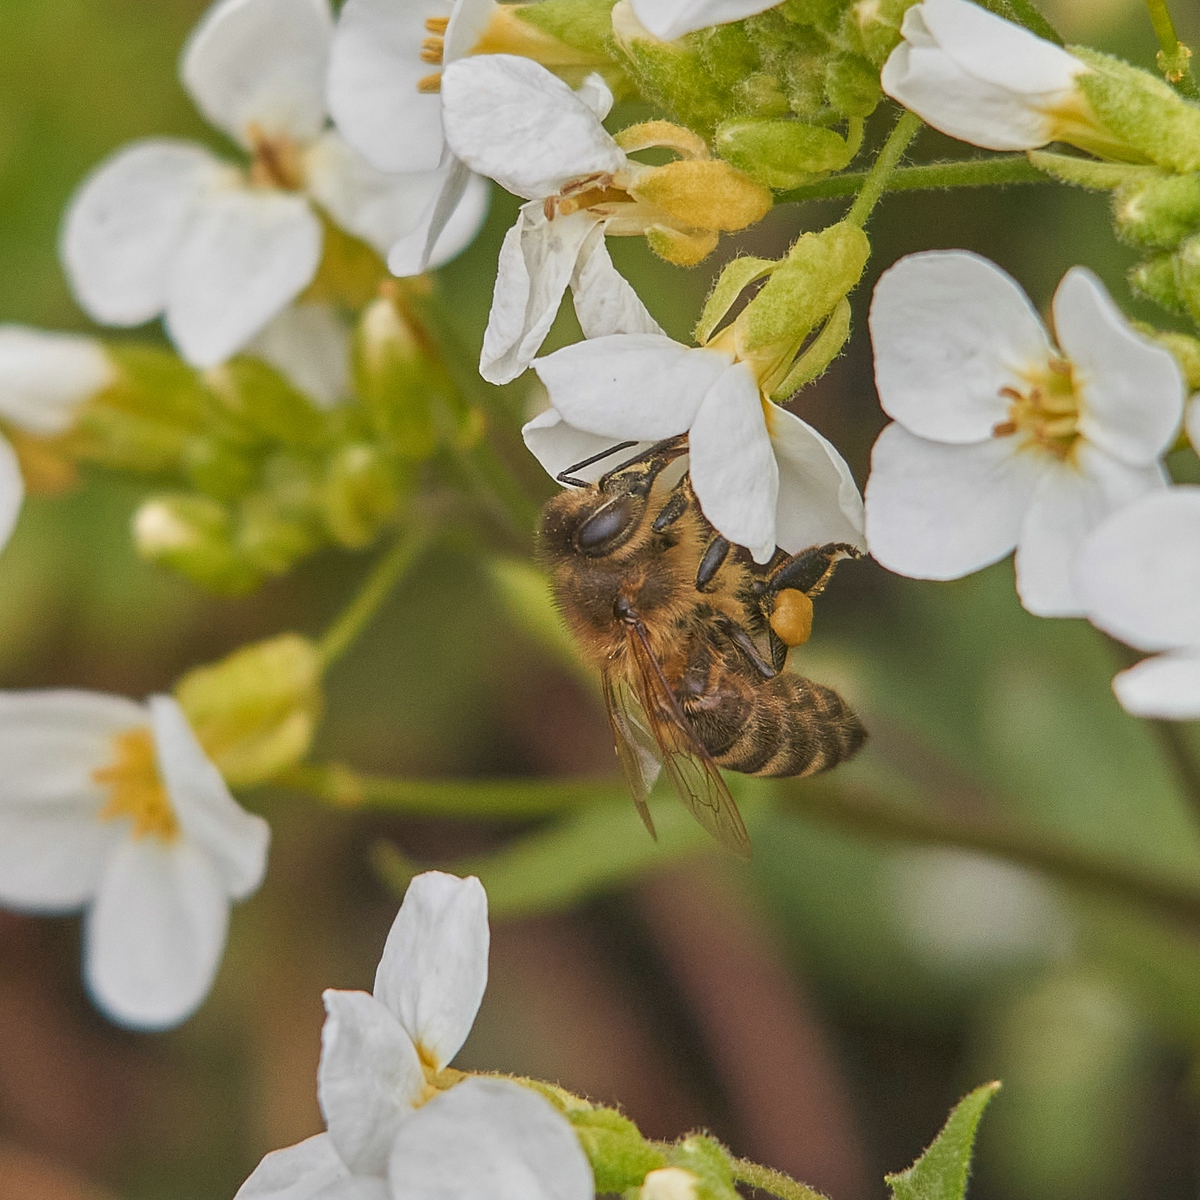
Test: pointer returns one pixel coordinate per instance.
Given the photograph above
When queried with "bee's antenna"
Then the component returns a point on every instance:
(567, 475)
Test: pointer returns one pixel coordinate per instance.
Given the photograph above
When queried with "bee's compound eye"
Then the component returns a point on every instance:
(792, 617)
(608, 525)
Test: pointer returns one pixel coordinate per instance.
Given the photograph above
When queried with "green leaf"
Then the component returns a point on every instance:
(941, 1172)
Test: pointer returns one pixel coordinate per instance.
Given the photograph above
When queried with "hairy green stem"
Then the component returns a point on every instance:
(1173, 60)
(875, 183)
(766, 1179)
(983, 172)
(391, 566)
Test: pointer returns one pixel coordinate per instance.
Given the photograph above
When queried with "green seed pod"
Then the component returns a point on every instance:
(781, 154)
(852, 85)
(1155, 280)
(1160, 210)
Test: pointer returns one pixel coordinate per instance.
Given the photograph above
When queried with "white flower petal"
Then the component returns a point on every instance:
(44, 377)
(819, 501)
(557, 446)
(247, 255)
(374, 69)
(378, 206)
(630, 387)
(1132, 390)
(448, 224)
(12, 490)
(469, 20)
(1167, 687)
(671, 19)
(732, 464)
(604, 300)
(950, 329)
(978, 77)
(596, 94)
(1068, 503)
(509, 118)
(310, 1170)
(1138, 575)
(493, 1138)
(370, 1079)
(154, 936)
(537, 261)
(51, 855)
(259, 66)
(309, 343)
(235, 840)
(941, 512)
(433, 971)
(125, 224)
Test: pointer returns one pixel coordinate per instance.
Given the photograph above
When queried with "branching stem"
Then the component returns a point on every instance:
(1174, 58)
(766, 1179)
(388, 570)
(876, 179)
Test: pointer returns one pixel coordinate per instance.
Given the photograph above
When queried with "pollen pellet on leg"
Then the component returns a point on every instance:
(792, 617)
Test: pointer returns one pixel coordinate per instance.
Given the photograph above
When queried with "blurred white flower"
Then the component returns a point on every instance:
(166, 227)
(978, 77)
(1000, 440)
(113, 805)
(44, 378)
(309, 344)
(763, 477)
(401, 1126)
(671, 19)
(1138, 576)
(510, 119)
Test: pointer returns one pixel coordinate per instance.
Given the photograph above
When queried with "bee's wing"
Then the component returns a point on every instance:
(691, 768)
(633, 741)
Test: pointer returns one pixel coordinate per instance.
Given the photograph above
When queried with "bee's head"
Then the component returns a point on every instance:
(592, 521)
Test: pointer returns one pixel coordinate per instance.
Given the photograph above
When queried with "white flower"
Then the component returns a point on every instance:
(511, 119)
(113, 805)
(166, 227)
(1139, 579)
(763, 477)
(983, 79)
(44, 378)
(400, 1125)
(1000, 440)
(671, 19)
(310, 345)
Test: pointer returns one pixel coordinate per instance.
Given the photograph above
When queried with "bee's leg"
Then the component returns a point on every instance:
(568, 476)
(745, 644)
(809, 571)
(638, 474)
(713, 560)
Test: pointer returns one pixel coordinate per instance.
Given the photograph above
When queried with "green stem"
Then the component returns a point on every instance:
(382, 577)
(498, 799)
(1089, 871)
(1173, 59)
(875, 183)
(766, 1179)
(983, 172)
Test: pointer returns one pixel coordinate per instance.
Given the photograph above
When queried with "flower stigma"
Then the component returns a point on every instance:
(137, 788)
(1046, 413)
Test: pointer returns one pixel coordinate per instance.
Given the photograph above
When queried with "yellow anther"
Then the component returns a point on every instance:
(1046, 413)
(431, 49)
(437, 24)
(137, 788)
(428, 84)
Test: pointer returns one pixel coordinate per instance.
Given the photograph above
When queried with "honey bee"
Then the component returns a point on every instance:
(691, 637)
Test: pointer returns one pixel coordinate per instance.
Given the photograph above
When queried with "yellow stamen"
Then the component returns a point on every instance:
(277, 162)
(137, 788)
(1046, 413)
(432, 49)
(429, 84)
(437, 24)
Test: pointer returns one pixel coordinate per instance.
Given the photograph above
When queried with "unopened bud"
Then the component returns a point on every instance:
(703, 194)
(264, 400)
(191, 534)
(781, 154)
(852, 85)
(217, 468)
(1187, 275)
(255, 711)
(670, 1183)
(681, 249)
(707, 1162)
(273, 534)
(1155, 280)
(874, 27)
(1141, 111)
(1158, 211)
(361, 493)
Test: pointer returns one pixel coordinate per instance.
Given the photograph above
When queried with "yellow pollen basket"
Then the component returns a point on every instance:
(1046, 413)
(136, 787)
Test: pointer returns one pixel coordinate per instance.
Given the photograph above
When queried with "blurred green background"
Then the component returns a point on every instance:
(820, 1009)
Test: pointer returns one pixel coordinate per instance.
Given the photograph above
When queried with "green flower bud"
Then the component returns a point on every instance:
(820, 269)
(157, 385)
(670, 1183)
(1187, 275)
(1152, 120)
(126, 441)
(217, 468)
(728, 55)
(1186, 350)
(1155, 280)
(708, 1162)
(192, 534)
(619, 1155)
(872, 27)
(1159, 210)
(852, 85)
(255, 711)
(781, 154)
(272, 534)
(361, 493)
(264, 401)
